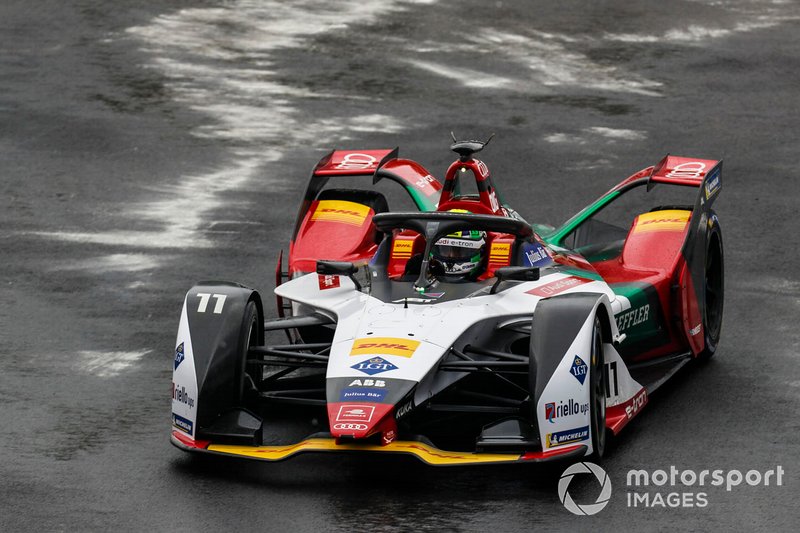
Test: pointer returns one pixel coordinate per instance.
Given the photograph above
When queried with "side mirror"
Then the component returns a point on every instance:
(512, 273)
(339, 268)
(336, 268)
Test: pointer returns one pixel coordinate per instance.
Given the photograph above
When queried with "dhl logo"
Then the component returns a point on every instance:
(402, 249)
(384, 346)
(340, 211)
(672, 220)
(499, 253)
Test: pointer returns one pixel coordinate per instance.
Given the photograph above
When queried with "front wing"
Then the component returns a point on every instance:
(422, 451)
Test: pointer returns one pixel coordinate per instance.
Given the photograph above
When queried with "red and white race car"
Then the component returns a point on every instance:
(458, 333)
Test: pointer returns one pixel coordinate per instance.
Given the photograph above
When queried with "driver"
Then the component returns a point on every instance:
(460, 255)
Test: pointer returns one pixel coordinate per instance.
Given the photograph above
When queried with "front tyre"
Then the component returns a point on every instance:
(249, 336)
(597, 394)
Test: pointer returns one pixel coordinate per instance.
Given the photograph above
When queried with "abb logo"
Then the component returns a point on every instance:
(350, 427)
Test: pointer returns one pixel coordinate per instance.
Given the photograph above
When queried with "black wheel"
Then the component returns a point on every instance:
(714, 287)
(250, 335)
(597, 394)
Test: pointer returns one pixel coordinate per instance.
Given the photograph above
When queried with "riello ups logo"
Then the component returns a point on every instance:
(384, 346)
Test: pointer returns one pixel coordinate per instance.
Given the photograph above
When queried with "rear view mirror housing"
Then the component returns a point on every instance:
(339, 268)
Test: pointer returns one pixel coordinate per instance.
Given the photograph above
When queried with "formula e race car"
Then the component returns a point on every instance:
(458, 333)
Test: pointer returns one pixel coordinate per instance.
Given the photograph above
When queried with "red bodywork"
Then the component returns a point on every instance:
(341, 229)
(661, 250)
(487, 202)
(652, 257)
(336, 230)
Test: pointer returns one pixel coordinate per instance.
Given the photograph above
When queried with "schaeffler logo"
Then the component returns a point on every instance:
(586, 509)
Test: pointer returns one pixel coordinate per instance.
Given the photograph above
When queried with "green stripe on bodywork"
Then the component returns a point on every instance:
(628, 290)
(579, 272)
(641, 323)
(423, 202)
(558, 236)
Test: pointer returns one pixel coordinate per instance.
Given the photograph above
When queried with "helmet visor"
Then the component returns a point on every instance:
(458, 255)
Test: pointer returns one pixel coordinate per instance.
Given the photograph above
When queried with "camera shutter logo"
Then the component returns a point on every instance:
(602, 499)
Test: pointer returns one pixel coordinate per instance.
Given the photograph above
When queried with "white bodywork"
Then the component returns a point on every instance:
(184, 382)
(437, 326)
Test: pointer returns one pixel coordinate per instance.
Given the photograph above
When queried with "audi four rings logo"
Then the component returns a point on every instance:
(353, 427)
(590, 508)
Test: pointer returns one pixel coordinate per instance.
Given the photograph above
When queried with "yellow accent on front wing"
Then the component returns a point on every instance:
(427, 453)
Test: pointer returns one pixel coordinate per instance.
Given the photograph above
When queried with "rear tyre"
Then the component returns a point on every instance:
(714, 287)
(597, 394)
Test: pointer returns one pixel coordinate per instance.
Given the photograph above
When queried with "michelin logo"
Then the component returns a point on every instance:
(567, 437)
(181, 423)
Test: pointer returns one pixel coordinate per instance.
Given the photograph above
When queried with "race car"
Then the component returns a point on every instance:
(458, 333)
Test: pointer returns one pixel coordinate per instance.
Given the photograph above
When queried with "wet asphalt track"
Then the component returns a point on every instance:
(148, 145)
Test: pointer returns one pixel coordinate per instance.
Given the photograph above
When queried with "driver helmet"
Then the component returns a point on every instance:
(460, 253)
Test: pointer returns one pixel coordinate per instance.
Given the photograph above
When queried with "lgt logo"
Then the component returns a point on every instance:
(579, 369)
(373, 366)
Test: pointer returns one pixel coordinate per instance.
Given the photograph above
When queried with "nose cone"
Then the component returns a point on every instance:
(358, 419)
(362, 406)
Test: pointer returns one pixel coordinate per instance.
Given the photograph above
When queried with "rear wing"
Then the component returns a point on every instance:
(672, 170)
(352, 162)
(418, 182)
(703, 173)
